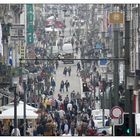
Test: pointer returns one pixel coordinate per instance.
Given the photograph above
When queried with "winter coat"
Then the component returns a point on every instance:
(62, 85)
(50, 129)
(53, 83)
(67, 84)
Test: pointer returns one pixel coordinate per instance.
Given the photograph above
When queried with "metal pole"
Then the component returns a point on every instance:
(24, 104)
(130, 110)
(94, 94)
(116, 64)
(15, 111)
(103, 103)
(103, 109)
(110, 94)
(127, 52)
(24, 84)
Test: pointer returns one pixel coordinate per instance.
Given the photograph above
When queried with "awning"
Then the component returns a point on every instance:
(19, 71)
(9, 112)
(51, 29)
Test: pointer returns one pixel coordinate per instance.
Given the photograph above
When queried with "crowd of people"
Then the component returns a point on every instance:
(68, 117)
(71, 116)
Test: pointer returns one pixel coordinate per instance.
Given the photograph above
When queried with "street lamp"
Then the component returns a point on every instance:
(130, 87)
(25, 89)
(14, 87)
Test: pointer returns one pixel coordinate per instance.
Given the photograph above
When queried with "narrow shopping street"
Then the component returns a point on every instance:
(69, 69)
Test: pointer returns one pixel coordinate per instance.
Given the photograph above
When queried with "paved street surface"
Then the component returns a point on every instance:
(74, 80)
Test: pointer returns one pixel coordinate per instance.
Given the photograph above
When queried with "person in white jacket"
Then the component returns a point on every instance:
(69, 106)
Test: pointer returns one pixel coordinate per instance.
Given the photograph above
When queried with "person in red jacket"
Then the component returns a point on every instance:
(90, 132)
(62, 106)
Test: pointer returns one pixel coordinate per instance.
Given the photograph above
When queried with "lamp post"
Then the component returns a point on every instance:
(25, 96)
(14, 88)
(130, 87)
(15, 111)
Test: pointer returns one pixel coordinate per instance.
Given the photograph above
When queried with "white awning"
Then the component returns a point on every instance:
(9, 112)
(51, 29)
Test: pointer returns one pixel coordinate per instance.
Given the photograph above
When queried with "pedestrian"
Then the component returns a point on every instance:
(108, 122)
(78, 97)
(91, 123)
(79, 129)
(66, 127)
(1, 128)
(73, 94)
(66, 134)
(72, 126)
(72, 41)
(70, 31)
(62, 86)
(67, 85)
(57, 119)
(76, 43)
(76, 49)
(84, 127)
(61, 113)
(69, 70)
(65, 71)
(90, 132)
(53, 84)
(56, 64)
(69, 106)
(66, 101)
(17, 132)
(50, 127)
(78, 68)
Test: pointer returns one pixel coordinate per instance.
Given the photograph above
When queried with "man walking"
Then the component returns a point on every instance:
(72, 42)
(65, 71)
(67, 84)
(78, 68)
(69, 70)
(53, 84)
(62, 86)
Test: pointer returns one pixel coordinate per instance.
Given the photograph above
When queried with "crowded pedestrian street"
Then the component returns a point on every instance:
(65, 70)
